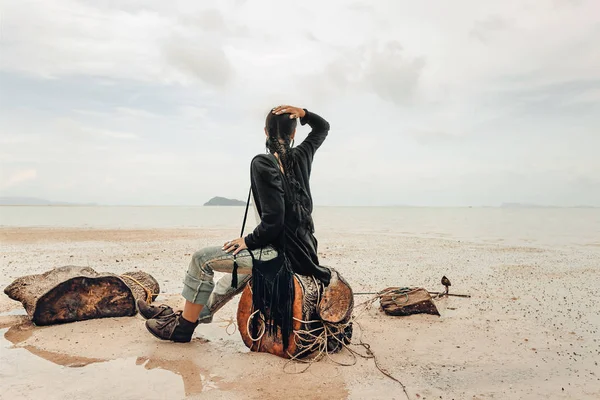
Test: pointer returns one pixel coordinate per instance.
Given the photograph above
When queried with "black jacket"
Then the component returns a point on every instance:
(277, 224)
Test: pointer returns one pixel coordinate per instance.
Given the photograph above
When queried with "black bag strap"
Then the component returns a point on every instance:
(246, 212)
(234, 277)
(274, 160)
(234, 280)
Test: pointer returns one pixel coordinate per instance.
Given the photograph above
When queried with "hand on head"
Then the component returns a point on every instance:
(295, 112)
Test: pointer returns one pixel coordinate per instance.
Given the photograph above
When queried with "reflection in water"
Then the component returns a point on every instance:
(21, 329)
(65, 360)
(195, 379)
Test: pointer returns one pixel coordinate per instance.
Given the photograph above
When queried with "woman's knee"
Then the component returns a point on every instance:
(201, 258)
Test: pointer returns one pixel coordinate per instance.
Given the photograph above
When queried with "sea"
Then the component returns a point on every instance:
(520, 225)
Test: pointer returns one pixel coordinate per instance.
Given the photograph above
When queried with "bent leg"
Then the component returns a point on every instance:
(222, 293)
(199, 279)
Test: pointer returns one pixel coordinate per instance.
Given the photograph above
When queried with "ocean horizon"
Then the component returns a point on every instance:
(516, 225)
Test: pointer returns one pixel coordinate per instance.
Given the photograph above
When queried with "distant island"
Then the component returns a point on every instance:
(222, 201)
(34, 201)
(523, 205)
(528, 205)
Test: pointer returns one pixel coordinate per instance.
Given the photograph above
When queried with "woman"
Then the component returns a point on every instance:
(281, 190)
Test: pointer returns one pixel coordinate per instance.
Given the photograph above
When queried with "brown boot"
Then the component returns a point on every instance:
(149, 311)
(172, 327)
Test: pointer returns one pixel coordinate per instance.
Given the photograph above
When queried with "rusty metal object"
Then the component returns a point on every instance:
(406, 301)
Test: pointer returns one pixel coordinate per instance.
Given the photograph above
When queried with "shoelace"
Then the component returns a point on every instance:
(162, 308)
(167, 320)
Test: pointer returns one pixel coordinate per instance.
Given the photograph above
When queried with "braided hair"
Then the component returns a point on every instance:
(280, 129)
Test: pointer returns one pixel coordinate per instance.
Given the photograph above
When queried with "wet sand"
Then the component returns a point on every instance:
(531, 329)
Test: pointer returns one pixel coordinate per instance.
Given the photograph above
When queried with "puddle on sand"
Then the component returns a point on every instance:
(26, 376)
(195, 379)
(22, 368)
(21, 328)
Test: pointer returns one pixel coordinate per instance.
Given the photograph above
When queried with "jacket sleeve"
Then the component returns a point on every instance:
(320, 129)
(268, 191)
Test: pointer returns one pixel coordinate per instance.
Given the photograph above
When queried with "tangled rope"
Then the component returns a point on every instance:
(317, 341)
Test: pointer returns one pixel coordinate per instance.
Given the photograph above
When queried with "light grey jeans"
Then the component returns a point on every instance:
(199, 286)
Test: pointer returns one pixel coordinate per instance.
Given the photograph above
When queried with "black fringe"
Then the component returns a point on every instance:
(234, 275)
(273, 295)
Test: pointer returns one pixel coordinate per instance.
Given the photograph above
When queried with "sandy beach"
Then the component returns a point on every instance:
(530, 330)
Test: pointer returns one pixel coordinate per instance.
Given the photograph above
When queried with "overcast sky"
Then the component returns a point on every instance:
(430, 102)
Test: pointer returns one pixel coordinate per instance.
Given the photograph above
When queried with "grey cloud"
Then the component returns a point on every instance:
(118, 41)
(202, 60)
(383, 70)
(574, 100)
(484, 30)
(212, 20)
(362, 7)
(132, 68)
(392, 76)
(568, 3)
(310, 36)
(427, 138)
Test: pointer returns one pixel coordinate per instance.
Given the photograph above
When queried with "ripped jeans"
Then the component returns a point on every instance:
(199, 286)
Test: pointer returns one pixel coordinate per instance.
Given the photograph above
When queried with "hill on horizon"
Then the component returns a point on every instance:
(222, 201)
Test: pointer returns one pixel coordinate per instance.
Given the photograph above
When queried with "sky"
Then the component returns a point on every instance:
(431, 103)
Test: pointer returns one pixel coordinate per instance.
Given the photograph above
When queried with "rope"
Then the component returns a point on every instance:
(149, 293)
(316, 340)
(264, 328)
(404, 291)
(229, 322)
(370, 354)
(329, 331)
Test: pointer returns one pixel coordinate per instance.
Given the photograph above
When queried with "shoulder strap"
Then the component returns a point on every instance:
(234, 273)
(276, 163)
(247, 206)
(246, 212)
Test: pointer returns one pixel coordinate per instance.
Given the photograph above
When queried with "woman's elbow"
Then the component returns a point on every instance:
(276, 229)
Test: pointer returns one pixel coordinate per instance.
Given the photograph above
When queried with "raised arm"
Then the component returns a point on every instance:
(316, 137)
(320, 129)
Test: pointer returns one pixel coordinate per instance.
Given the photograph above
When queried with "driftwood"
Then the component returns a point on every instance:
(70, 293)
(337, 302)
(406, 301)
